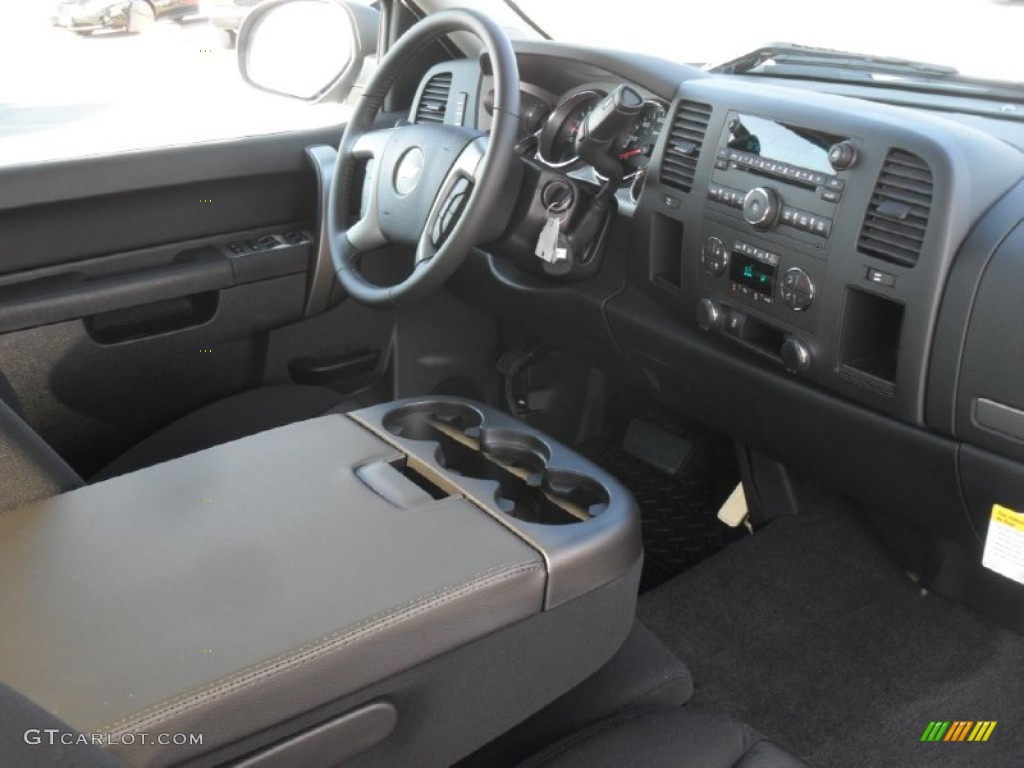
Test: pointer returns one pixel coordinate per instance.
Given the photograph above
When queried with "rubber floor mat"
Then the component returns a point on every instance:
(680, 527)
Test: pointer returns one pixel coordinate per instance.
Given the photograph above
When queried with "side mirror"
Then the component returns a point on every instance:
(307, 49)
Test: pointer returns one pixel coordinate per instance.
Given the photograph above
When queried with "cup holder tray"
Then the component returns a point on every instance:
(579, 517)
(518, 462)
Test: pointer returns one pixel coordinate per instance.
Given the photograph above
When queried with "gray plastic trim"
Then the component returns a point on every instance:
(998, 417)
(321, 272)
(580, 556)
(332, 743)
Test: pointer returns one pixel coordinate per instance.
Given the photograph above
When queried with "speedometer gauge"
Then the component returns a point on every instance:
(557, 146)
(634, 148)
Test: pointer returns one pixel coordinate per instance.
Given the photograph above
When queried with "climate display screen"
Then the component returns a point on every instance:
(772, 140)
(756, 275)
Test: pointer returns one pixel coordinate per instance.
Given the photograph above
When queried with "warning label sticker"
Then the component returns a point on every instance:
(1004, 545)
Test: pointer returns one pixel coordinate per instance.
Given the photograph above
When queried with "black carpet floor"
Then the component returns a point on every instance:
(809, 632)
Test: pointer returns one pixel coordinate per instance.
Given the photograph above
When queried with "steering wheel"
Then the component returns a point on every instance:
(433, 188)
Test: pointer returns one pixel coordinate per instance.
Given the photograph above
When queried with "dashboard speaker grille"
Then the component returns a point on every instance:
(897, 216)
(689, 126)
(434, 99)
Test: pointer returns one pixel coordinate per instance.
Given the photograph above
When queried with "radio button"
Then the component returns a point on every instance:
(831, 195)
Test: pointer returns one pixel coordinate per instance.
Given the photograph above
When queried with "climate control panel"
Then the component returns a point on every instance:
(753, 274)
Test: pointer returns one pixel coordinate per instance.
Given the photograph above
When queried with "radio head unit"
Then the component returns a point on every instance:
(781, 147)
(772, 173)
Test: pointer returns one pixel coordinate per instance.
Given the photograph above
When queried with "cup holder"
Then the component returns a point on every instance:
(424, 421)
(517, 461)
(522, 454)
(578, 491)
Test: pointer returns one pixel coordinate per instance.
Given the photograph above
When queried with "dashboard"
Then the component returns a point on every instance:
(826, 278)
(549, 124)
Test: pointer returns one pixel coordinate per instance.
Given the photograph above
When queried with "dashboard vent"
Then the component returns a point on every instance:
(897, 214)
(434, 99)
(679, 164)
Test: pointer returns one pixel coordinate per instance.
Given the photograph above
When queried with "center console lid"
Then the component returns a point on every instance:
(233, 590)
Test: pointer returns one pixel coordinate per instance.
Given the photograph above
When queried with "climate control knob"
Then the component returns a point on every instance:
(709, 315)
(796, 357)
(797, 290)
(761, 207)
(714, 256)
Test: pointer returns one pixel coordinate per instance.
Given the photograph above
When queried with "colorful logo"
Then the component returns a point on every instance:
(958, 730)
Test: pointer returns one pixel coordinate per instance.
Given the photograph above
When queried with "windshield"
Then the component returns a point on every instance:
(980, 38)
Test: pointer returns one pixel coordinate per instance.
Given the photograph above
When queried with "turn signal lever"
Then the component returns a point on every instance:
(609, 119)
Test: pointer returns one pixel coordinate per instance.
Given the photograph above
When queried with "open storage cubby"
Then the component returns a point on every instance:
(516, 461)
(666, 250)
(870, 341)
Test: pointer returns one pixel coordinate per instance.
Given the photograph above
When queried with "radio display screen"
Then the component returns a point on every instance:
(780, 142)
(756, 275)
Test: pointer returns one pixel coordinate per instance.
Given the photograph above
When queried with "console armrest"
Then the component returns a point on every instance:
(228, 591)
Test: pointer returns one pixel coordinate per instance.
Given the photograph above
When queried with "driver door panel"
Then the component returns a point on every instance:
(134, 289)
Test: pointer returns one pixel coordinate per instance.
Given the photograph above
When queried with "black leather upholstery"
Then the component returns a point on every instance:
(682, 737)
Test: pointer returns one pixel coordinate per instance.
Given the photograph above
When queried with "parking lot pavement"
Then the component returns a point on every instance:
(111, 91)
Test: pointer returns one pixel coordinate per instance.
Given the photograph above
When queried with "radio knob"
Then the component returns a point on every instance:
(709, 315)
(761, 207)
(842, 155)
(796, 357)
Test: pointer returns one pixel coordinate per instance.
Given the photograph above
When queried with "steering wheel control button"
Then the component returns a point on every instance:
(761, 207)
(797, 291)
(714, 257)
(408, 171)
(450, 212)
